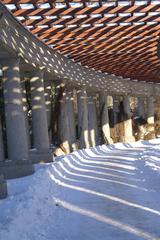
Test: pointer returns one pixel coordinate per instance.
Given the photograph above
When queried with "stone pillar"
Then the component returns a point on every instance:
(67, 130)
(48, 103)
(92, 120)
(39, 119)
(3, 187)
(25, 109)
(141, 107)
(71, 116)
(128, 132)
(58, 94)
(1, 143)
(150, 117)
(115, 108)
(141, 121)
(105, 118)
(83, 118)
(63, 125)
(15, 123)
(116, 103)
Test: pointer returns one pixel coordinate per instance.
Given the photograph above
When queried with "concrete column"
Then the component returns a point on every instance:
(25, 109)
(71, 116)
(141, 107)
(39, 118)
(83, 118)
(15, 119)
(141, 115)
(92, 120)
(1, 143)
(150, 117)
(67, 128)
(105, 118)
(116, 103)
(63, 126)
(3, 187)
(48, 103)
(58, 94)
(128, 132)
(15, 123)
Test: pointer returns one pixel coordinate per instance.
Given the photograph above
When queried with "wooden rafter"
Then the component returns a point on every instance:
(118, 37)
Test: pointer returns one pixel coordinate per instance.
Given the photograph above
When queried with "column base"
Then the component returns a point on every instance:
(109, 140)
(140, 137)
(149, 136)
(36, 156)
(65, 146)
(58, 152)
(3, 187)
(127, 139)
(16, 169)
(75, 146)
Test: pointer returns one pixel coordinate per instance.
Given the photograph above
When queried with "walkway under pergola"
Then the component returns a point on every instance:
(75, 74)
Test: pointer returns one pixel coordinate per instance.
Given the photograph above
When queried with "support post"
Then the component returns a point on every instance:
(116, 103)
(39, 119)
(3, 187)
(48, 103)
(142, 121)
(71, 116)
(83, 118)
(25, 109)
(67, 122)
(58, 94)
(19, 164)
(92, 120)
(150, 117)
(128, 131)
(106, 135)
(1, 143)
(141, 107)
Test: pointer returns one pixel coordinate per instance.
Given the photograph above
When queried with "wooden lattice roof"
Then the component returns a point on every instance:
(117, 37)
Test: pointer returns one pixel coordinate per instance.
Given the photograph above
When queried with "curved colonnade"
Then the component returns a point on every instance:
(23, 54)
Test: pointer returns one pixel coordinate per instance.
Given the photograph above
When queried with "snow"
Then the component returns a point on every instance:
(103, 193)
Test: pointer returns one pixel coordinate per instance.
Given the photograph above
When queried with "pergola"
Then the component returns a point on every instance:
(117, 37)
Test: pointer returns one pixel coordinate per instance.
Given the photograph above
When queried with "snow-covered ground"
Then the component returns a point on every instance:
(104, 193)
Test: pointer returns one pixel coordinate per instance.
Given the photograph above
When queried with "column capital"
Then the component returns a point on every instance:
(69, 88)
(37, 71)
(48, 82)
(82, 88)
(82, 91)
(150, 96)
(103, 92)
(91, 94)
(59, 84)
(8, 60)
